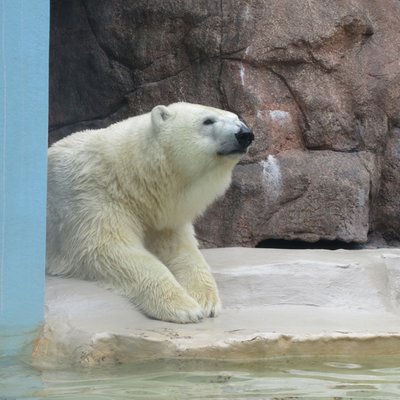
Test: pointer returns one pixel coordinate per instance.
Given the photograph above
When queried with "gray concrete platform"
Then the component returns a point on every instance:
(276, 302)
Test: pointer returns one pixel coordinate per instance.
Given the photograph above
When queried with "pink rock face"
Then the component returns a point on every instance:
(317, 80)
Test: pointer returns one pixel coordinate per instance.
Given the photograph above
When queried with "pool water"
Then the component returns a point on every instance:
(273, 379)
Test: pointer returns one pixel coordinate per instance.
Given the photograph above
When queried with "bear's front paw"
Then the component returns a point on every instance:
(183, 310)
(204, 290)
(208, 299)
(172, 306)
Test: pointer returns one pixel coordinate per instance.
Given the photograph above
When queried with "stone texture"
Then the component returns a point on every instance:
(289, 196)
(276, 303)
(318, 81)
(387, 214)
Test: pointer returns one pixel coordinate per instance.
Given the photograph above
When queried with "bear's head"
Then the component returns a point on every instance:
(200, 135)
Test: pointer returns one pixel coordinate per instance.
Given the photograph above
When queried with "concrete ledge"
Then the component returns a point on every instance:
(276, 303)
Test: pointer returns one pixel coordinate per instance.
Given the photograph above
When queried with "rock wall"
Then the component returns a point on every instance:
(318, 80)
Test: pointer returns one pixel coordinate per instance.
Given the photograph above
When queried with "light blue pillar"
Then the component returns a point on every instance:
(24, 42)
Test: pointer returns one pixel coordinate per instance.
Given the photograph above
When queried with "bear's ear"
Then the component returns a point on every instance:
(159, 114)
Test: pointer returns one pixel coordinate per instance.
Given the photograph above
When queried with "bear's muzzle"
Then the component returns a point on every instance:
(244, 137)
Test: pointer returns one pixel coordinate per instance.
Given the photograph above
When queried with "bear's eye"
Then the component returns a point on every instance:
(208, 121)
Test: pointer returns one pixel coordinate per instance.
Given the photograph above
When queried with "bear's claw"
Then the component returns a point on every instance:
(181, 309)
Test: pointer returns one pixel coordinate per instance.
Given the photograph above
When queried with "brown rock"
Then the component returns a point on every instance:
(295, 195)
(387, 213)
(318, 81)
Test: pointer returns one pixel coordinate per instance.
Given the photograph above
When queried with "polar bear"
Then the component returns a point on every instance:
(121, 202)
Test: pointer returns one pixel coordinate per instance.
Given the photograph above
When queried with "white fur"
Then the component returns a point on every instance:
(121, 202)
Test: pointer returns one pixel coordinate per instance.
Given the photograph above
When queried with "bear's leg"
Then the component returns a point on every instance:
(178, 249)
(137, 274)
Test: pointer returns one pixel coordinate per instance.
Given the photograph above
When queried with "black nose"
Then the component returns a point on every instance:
(244, 136)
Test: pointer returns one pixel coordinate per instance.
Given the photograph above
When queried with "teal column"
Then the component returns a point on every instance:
(24, 42)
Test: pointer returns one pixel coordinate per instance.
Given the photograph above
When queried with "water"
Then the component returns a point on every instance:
(275, 380)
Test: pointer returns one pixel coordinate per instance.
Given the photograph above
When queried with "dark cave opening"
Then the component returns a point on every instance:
(302, 245)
